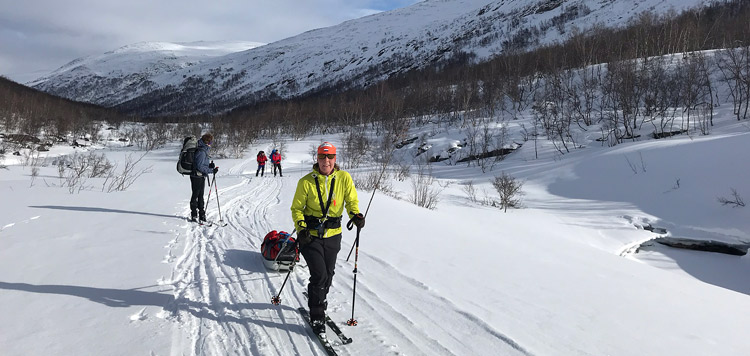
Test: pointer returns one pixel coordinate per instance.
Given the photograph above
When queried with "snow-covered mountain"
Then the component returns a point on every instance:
(106, 78)
(158, 79)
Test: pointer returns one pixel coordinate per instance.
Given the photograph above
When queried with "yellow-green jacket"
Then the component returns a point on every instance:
(306, 200)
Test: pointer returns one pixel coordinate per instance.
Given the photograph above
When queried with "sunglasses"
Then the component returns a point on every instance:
(324, 156)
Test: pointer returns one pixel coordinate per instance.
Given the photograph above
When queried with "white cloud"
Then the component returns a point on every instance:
(45, 34)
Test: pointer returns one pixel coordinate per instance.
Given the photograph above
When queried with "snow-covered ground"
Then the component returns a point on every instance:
(123, 273)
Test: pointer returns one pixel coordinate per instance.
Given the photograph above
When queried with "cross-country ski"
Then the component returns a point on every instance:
(322, 338)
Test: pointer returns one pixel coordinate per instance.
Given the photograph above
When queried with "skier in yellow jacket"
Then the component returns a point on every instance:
(317, 211)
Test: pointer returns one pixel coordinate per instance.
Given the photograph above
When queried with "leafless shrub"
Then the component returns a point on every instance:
(733, 64)
(78, 164)
(313, 151)
(91, 165)
(32, 158)
(236, 141)
(525, 133)
(402, 170)
(372, 180)
(423, 193)
(221, 147)
(92, 131)
(34, 174)
(134, 136)
(72, 172)
(147, 136)
(4, 148)
(472, 143)
(509, 189)
(705, 118)
(356, 147)
(75, 181)
(445, 183)
(60, 163)
(488, 200)
(154, 136)
(470, 190)
(734, 201)
(100, 166)
(117, 182)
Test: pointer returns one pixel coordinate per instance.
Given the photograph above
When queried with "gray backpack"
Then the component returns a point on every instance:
(187, 155)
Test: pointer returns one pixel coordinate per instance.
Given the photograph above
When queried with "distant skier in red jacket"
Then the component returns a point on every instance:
(276, 160)
(261, 163)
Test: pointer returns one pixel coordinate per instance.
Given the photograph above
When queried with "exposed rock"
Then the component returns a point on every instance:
(21, 139)
(656, 230)
(406, 142)
(704, 245)
(493, 153)
(658, 135)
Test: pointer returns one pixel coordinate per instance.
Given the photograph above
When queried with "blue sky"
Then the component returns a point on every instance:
(39, 36)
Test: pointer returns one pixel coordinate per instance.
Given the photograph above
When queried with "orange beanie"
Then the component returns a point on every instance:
(326, 148)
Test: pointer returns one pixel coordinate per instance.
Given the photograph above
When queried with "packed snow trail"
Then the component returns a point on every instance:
(222, 290)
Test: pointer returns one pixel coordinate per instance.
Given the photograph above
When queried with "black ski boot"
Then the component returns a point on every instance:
(318, 325)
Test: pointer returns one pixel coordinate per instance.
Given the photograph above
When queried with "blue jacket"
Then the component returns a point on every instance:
(275, 157)
(201, 161)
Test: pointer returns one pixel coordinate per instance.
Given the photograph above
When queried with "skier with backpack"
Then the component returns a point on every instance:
(201, 167)
(317, 209)
(261, 163)
(276, 160)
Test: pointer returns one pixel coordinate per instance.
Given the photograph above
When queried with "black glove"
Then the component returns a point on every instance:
(211, 165)
(359, 220)
(303, 238)
(216, 169)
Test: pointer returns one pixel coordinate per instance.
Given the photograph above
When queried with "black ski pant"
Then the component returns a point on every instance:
(198, 185)
(261, 170)
(277, 165)
(320, 255)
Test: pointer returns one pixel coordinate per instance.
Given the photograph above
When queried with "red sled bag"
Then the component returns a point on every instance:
(279, 250)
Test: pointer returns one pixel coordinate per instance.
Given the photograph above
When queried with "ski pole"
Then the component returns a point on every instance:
(217, 198)
(355, 247)
(276, 300)
(210, 185)
(352, 321)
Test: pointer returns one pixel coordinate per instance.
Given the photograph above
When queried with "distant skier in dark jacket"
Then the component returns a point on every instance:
(261, 163)
(202, 167)
(276, 160)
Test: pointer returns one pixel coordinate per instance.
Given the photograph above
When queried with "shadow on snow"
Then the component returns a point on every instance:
(122, 298)
(102, 210)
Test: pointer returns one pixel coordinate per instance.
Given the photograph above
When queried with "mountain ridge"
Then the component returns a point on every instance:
(353, 54)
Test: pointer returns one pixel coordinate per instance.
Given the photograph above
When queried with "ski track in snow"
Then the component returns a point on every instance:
(22, 221)
(382, 301)
(222, 293)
